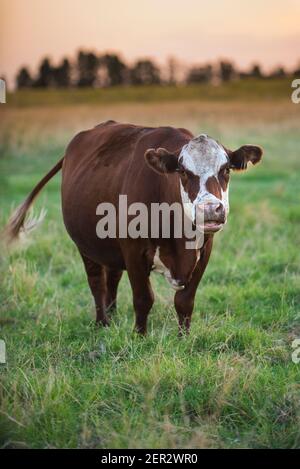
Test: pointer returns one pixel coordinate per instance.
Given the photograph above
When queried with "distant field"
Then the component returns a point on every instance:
(235, 90)
(232, 382)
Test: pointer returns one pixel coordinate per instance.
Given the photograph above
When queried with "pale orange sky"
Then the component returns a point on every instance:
(267, 31)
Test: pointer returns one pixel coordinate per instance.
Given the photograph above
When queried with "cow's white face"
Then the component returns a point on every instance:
(204, 181)
(204, 169)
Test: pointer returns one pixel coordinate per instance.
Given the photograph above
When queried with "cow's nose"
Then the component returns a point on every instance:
(214, 212)
(220, 211)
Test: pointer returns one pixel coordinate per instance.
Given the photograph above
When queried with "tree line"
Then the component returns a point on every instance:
(92, 70)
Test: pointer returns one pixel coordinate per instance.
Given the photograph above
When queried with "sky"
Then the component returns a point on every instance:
(194, 31)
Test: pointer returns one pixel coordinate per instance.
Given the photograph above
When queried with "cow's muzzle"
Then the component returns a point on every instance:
(213, 216)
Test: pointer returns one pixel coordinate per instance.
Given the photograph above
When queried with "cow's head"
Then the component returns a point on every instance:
(204, 169)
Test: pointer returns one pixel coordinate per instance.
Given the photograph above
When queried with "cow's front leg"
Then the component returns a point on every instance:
(184, 305)
(113, 277)
(143, 298)
(184, 299)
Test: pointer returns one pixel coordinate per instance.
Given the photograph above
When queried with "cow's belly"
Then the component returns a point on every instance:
(104, 251)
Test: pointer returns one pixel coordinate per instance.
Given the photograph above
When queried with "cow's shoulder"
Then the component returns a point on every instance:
(186, 132)
(168, 137)
(106, 123)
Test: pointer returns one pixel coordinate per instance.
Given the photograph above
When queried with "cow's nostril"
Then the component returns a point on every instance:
(220, 211)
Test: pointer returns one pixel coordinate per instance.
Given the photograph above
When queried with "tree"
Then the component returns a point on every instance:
(255, 71)
(296, 72)
(115, 68)
(200, 74)
(144, 72)
(279, 72)
(87, 65)
(61, 74)
(23, 79)
(45, 75)
(226, 71)
(172, 70)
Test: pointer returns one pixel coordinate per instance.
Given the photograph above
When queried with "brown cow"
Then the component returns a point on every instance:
(149, 165)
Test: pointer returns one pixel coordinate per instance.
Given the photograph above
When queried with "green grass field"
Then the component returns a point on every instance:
(232, 382)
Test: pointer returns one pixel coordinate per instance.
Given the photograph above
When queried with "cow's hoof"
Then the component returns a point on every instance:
(141, 332)
(102, 323)
(183, 332)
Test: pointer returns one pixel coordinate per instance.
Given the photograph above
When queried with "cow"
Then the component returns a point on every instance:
(148, 165)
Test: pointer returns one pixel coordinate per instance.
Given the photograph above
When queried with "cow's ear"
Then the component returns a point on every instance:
(240, 158)
(161, 160)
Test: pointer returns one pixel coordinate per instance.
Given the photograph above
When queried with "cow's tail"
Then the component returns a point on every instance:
(18, 223)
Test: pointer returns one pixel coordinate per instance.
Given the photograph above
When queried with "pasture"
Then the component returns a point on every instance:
(232, 381)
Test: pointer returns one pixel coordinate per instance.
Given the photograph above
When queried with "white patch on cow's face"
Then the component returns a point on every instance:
(160, 268)
(204, 157)
(225, 199)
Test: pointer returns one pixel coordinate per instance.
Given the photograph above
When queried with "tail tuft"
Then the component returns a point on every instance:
(33, 221)
(19, 223)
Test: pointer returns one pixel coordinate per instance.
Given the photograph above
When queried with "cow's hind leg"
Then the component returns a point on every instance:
(113, 277)
(96, 276)
(143, 297)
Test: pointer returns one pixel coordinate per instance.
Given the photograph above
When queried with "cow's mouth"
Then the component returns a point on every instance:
(212, 227)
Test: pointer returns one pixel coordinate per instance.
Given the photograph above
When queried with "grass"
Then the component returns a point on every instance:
(232, 382)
